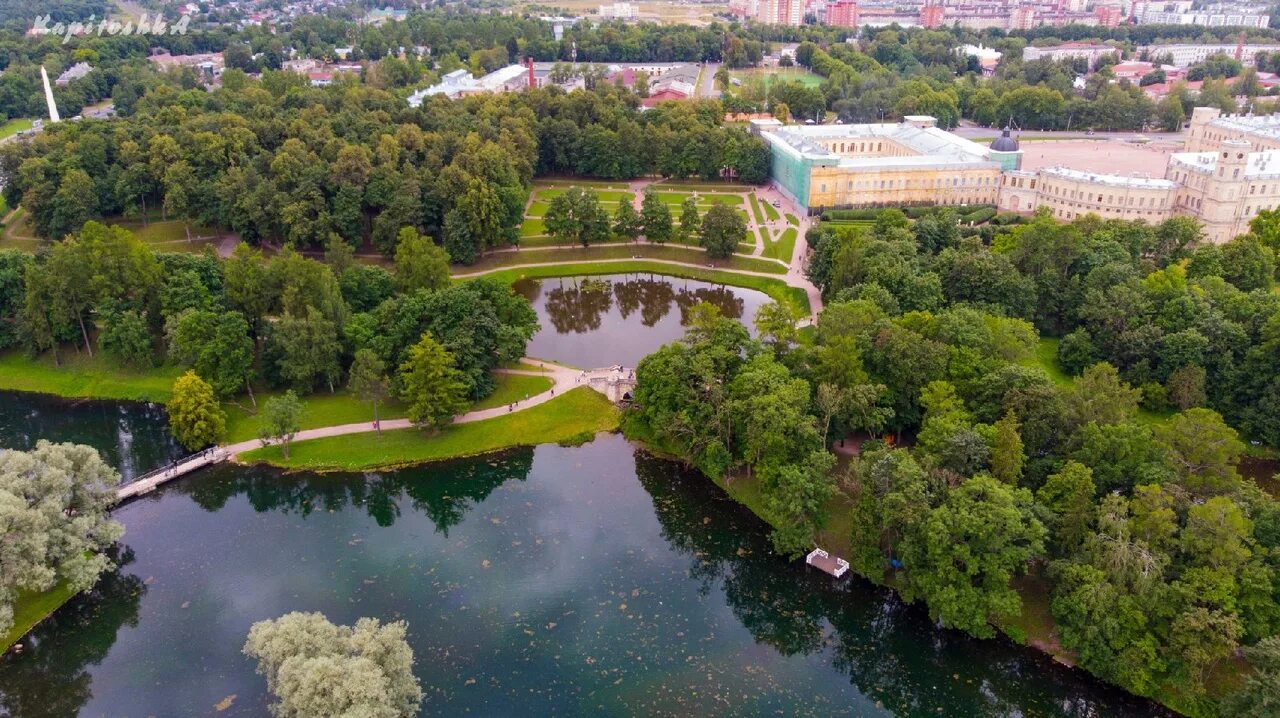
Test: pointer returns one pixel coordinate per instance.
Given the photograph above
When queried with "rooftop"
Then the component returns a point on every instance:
(1132, 181)
(1259, 165)
(933, 147)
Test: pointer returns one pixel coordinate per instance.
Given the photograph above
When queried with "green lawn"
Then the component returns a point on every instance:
(573, 416)
(574, 182)
(82, 377)
(318, 410)
(536, 209)
(164, 231)
(32, 608)
(1046, 357)
(691, 185)
(791, 219)
(776, 289)
(324, 409)
(533, 228)
(602, 195)
(546, 240)
(614, 251)
(789, 74)
(784, 247)
(755, 208)
(13, 127)
(771, 212)
(512, 388)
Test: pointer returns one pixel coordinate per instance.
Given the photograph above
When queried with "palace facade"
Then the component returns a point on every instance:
(1229, 173)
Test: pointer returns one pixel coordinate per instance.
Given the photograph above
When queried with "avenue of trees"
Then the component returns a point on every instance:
(1117, 485)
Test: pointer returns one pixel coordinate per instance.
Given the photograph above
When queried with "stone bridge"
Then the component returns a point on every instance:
(618, 383)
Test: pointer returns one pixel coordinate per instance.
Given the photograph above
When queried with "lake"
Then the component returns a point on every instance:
(595, 580)
(594, 322)
(131, 436)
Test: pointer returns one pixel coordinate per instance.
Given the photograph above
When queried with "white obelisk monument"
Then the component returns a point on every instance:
(48, 96)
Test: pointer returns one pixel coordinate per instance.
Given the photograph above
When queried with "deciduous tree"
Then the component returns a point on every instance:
(195, 417)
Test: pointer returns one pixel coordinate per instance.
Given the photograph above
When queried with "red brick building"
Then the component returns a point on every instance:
(842, 13)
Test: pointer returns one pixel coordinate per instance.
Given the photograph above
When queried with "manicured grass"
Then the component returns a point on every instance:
(771, 212)
(512, 388)
(13, 127)
(788, 74)
(324, 409)
(321, 409)
(574, 182)
(32, 608)
(613, 251)
(82, 377)
(546, 240)
(576, 414)
(784, 247)
(536, 209)
(755, 208)
(602, 195)
(776, 289)
(791, 219)
(533, 228)
(691, 185)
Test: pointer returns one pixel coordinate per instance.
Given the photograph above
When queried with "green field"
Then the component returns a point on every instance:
(324, 409)
(533, 228)
(784, 247)
(777, 290)
(623, 252)
(82, 377)
(13, 127)
(546, 194)
(32, 608)
(573, 416)
(780, 74)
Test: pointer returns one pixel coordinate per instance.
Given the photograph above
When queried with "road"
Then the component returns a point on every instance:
(708, 89)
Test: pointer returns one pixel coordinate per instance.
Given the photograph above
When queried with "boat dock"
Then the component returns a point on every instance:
(827, 563)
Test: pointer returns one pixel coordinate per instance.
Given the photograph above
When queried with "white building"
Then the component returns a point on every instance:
(460, 83)
(1188, 55)
(619, 11)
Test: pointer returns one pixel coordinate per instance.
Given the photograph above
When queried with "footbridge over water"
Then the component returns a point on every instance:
(618, 383)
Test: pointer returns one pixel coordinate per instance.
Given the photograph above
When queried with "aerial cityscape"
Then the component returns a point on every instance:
(395, 358)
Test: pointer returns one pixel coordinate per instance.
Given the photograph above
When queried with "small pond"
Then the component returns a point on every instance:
(593, 322)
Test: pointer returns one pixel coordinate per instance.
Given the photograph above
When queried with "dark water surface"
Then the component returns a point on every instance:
(131, 436)
(594, 322)
(594, 580)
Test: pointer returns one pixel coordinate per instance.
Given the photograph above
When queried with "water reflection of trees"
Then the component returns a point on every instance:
(577, 307)
(444, 492)
(889, 650)
(49, 677)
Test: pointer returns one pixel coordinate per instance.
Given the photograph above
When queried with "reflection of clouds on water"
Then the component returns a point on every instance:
(588, 580)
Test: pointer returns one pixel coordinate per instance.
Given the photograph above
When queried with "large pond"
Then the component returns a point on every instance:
(593, 322)
(594, 580)
(131, 436)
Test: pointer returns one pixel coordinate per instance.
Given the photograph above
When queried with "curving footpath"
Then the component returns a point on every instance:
(563, 379)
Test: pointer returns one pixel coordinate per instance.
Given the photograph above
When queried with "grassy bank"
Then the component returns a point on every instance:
(32, 608)
(82, 377)
(577, 414)
(777, 290)
(323, 409)
(671, 253)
